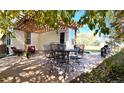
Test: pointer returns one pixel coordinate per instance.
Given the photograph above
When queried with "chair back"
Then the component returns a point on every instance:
(14, 49)
(31, 48)
(46, 47)
(82, 46)
(57, 46)
(54, 47)
(62, 46)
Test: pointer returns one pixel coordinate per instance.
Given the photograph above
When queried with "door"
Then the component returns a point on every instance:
(62, 37)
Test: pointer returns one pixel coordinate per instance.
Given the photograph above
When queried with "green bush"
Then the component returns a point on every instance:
(117, 72)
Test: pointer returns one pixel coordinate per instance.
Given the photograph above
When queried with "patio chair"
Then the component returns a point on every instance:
(47, 51)
(105, 51)
(75, 56)
(31, 49)
(81, 49)
(59, 48)
(17, 51)
(57, 53)
(14, 49)
(59, 56)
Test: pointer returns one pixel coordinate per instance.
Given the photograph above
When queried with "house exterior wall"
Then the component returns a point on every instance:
(38, 40)
(18, 41)
(35, 40)
(47, 38)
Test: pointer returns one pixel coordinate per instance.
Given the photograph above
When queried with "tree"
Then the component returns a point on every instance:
(87, 39)
(95, 19)
(41, 17)
(6, 22)
(83, 38)
(103, 21)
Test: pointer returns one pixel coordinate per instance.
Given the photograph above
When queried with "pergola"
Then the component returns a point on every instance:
(27, 24)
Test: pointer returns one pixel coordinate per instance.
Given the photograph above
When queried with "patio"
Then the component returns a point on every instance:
(37, 68)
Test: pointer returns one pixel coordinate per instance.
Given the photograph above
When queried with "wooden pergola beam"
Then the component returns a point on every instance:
(26, 24)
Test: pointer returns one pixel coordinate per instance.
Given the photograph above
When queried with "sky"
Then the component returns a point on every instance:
(76, 18)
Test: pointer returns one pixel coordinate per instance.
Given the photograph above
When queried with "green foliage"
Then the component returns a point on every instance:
(95, 19)
(87, 39)
(41, 17)
(83, 38)
(117, 73)
(6, 18)
(6, 33)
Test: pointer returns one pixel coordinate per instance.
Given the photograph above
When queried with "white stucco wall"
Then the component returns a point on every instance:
(18, 42)
(38, 40)
(47, 38)
(35, 40)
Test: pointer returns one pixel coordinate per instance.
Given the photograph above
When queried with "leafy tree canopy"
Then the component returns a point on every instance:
(101, 21)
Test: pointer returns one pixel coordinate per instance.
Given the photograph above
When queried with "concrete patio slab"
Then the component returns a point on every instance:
(38, 70)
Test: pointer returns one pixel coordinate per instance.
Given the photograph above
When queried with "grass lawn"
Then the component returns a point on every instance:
(111, 70)
(92, 48)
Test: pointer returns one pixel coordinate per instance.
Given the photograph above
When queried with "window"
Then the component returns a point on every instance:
(8, 40)
(62, 37)
(28, 38)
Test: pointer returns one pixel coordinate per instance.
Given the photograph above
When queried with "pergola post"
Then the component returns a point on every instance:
(25, 41)
(75, 37)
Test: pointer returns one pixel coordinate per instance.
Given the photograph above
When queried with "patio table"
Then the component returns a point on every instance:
(66, 52)
(65, 55)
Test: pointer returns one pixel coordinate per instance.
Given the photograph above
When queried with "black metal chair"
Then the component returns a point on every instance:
(74, 56)
(17, 51)
(58, 52)
(105, 51)
(59, 56)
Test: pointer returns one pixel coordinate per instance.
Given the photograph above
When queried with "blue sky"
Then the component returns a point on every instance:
(76, 18)
(78, 15)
